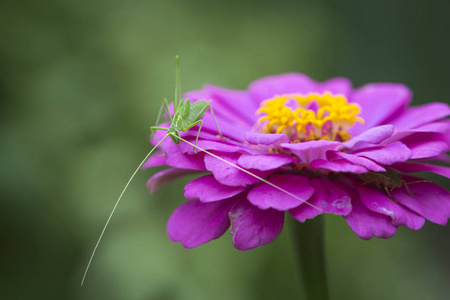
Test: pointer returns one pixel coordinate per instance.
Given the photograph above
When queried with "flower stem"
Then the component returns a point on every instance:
(308, 242)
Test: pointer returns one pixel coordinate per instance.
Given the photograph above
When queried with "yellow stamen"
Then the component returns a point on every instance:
(309, 117)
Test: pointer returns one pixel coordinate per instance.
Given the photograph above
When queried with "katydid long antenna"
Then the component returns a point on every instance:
(117, 203)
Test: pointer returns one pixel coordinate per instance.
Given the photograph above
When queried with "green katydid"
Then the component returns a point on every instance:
(387, 181)
(186, 115)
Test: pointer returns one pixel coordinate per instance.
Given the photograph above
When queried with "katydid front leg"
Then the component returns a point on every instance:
(152, 131)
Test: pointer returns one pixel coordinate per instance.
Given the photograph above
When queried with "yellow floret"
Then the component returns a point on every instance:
(333, 117)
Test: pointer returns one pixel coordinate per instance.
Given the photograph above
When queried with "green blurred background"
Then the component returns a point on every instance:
(80, 84)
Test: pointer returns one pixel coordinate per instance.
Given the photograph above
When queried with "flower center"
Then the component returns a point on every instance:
(309, 117)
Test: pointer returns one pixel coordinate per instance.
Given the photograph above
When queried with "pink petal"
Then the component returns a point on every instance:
(374, 135)
(414, 168)
(436, 127)
(233, 130)
(212, 141)
(338, 166)
(175, 158)
(265, 196)
(336, 86)
(329, 197)
(379, 103)
(366, 223)
(425, 145)
(420, 115)
(157, 159)
(207, 189)
(309, 151)
(377, 202)
(252, 227)
(425, 149)
(387, 155)
(265, 139)
(440, 127)
(229, 175)
(195, 223)
(231, 105)
(184, 161)
(206, 135)
(208, 145)
(426, 199)
(356, 160)
(264, 162)
(268, 87)
(166, 176)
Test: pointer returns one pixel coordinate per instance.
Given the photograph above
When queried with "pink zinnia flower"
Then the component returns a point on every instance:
(344, 151)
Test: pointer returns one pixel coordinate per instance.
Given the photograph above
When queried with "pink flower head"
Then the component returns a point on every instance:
(344, 151)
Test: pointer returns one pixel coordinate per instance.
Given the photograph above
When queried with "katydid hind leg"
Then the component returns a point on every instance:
(215, 120)
(198, 122)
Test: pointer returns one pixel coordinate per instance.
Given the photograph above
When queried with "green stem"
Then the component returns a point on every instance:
(308, 242)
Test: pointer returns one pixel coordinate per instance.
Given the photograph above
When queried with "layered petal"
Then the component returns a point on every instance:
(378, 202)
(232, 130)
(267, 87)
(380, 102)
(264, 162)
(266, 196)
(337, 86)
(340, 165)
(228, 174)
(366, 223)
(175, 157)
(327, 196)
(442, 127)
(184, 161)
(252, 227)
(374, 135)
(209, 145)
(425, 198)
(414, 168)
(166, 176)
(207, 189)
(265, 139)
(231, 105)
(423, 149)
(312, 150)
(157, 159)
(357, 160)
(421, 115)
(387, 155)
(195, 223)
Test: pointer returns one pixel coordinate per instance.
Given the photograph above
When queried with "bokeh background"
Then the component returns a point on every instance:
(82, 81)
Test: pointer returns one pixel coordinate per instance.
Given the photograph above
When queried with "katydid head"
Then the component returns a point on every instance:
(174, 134)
